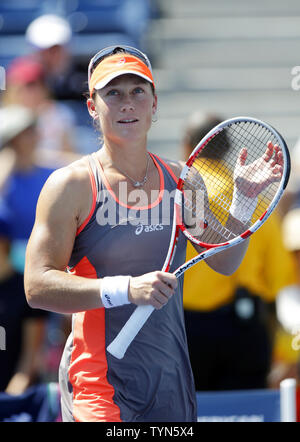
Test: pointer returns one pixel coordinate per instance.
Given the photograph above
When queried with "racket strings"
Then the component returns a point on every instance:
(209, 184)
(196, 216)
(257, 137)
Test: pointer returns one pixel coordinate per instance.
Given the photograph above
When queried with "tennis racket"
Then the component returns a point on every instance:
(241, 153)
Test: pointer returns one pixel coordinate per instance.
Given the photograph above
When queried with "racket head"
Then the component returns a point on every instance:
(209, 177)
(139, 317)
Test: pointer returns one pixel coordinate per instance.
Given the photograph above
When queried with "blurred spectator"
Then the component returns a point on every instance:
(21, 177)
(24, 327)
(230, 320)
(50, 37)
(26, 86)
(288, 309)
(291, 196)
(197, 126)
(21, 180)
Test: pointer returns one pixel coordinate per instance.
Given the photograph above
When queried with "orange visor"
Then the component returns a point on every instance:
(116, 65)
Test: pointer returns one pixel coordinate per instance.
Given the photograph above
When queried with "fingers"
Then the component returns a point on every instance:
(277, 162)
(160, 296)
(269, 151)
(163, 289)
(243, 156)
(278, 156)
(155, 288)
(168, 278)
(268, 155)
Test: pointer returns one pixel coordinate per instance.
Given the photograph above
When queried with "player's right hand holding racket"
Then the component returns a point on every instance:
(228, 188)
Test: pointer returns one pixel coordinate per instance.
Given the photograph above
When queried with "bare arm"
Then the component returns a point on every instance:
(229, 260)
(249, 181)
(59, 213)
(64, 203)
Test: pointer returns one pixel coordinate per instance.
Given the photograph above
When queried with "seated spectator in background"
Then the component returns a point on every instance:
(26, 86)
(288, 308)
(21, 176)
(230, 319)
(24, 327)
(291, 196)
(49, 37)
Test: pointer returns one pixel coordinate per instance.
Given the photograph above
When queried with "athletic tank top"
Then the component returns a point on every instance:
(154, 381)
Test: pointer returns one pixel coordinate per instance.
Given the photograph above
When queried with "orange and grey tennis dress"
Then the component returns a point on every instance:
(154, 381)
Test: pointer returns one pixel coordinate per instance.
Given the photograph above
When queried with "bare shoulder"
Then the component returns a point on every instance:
(68, 188)
(73, 176)
(176, 166)
(75, 173)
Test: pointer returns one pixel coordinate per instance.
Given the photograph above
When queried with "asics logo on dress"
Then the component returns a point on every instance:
(148, 228)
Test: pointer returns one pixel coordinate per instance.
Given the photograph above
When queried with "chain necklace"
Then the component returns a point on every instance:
(134, 182)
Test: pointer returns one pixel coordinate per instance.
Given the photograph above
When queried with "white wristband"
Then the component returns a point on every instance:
(242, 207)
(114, 291)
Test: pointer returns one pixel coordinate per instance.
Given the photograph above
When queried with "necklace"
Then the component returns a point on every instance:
(134, 182)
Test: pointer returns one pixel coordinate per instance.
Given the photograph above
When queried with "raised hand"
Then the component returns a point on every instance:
(253, 178)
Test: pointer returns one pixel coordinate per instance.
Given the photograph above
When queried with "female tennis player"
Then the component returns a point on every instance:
(100, 237)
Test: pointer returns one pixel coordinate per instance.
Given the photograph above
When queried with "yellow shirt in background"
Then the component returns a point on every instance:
(265, 269)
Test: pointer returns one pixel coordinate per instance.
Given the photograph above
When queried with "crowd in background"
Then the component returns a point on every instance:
(242, 330)
(44, 126)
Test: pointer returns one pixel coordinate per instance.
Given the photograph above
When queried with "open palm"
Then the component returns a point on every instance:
(253, 178)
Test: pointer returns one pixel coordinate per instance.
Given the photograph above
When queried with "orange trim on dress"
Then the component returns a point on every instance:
(168, 168)
(155, 203)
(92, 393)
(94, 191)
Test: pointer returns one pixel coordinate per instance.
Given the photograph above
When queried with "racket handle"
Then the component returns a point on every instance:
(119, 345)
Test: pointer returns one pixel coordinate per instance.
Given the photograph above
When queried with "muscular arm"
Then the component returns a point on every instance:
(63, 205)
(228, 261)
(59, 214)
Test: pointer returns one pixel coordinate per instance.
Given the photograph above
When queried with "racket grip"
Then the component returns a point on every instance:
(119, 345)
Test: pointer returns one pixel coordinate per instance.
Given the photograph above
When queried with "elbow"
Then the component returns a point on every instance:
(31, 297)
(229, 269)
(34, 285)
(227, 272)
(32, 292)
(225, 269)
